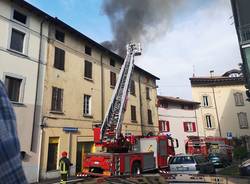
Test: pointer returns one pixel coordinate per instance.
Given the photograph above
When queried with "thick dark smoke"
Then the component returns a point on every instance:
(137, 20)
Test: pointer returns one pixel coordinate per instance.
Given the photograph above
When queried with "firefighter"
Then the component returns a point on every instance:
(64, 165)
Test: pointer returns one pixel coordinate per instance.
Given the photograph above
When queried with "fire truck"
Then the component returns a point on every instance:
(129, 154)
(206, 145)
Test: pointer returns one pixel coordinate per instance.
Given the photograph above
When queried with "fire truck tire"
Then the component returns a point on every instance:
(136, 168)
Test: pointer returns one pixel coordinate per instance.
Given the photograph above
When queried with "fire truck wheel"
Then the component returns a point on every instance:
(136, 168)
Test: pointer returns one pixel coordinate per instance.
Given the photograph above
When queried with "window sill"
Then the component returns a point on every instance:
(17, 53)
(20, 104)
(112, 87)
(243, 127)
(149, 99)
(63, 70)
(87, 116)
(88, 79)
(210, 128)
(134, 121)
(239, 105)
(57, 112)
(133, 94)
(150, 123)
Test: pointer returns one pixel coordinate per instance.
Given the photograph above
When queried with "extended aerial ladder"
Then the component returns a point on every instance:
(111, 127)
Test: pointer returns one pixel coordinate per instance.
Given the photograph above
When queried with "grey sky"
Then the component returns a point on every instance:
(200, 36)
(199, 41)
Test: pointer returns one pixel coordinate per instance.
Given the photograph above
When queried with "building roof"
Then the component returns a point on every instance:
(216, 81)
(57, 21)
(177, 100)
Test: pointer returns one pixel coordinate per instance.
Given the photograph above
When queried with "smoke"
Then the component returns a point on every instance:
(137, 20)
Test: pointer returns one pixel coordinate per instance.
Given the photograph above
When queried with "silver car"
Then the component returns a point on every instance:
(195, 164)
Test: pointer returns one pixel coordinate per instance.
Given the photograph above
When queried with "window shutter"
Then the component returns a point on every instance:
(185, 126)
(160, 126)
(194, 127)
(167, 126)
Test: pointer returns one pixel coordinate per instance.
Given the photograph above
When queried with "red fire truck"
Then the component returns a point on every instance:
(206, 145)
(124, 155)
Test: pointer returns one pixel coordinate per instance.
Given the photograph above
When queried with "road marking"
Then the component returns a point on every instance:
(70, 181)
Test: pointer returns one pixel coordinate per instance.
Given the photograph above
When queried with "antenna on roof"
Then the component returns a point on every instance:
(193, 71)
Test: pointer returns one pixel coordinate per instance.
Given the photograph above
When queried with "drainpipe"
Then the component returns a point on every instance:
(37, 81)
(102, 89)
(140, 101)
(196, 120)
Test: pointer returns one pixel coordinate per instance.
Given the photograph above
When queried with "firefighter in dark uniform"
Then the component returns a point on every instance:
(64, 165)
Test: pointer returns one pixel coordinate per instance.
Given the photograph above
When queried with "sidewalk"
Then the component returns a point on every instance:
(57, 180)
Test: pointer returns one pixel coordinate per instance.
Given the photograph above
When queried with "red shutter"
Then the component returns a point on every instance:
(167, 126)
(160, 126)
(194, 127)
(185, 126)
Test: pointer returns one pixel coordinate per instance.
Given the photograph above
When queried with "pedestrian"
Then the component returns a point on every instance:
(64, 165)
(11, 170)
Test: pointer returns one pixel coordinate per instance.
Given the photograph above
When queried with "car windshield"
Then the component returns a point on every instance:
(182, 160)
(200, 159)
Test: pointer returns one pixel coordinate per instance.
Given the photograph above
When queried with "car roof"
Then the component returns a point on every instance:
(181, 155)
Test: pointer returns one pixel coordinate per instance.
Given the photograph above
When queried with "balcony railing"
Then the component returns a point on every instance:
(244, 34)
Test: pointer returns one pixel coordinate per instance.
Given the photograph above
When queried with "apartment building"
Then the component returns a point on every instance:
(224, 110)
(23, 47)
(177, 117)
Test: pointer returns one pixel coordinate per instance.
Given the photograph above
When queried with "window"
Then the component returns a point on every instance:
(189, 127)
(112, 79)
(17, 40)
(164, 126)
(150, 117)
(60, 35)
(147, 93)
(163, 104)
(132, 87)
(205, 101)
(19, 17)
(88, 50)
(133, 113)
(59, 58)
(209, 122)
(87, 105)
(57, 99)
(242, 116)
(52, 153)
(13, 88)
(88, 70)
(238, 98)
(112, 62)
(187, 107)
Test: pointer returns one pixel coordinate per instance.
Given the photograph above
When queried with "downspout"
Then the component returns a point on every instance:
(196, 120)
(35, 108)
(102, 90)
(140, 101)
(37, 80)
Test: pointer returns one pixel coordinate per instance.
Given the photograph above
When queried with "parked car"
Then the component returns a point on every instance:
(195, 164)
(245, 168)
(218, 159)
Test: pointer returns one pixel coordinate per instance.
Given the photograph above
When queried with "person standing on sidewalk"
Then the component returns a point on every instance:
(64, 165)
(11, 170)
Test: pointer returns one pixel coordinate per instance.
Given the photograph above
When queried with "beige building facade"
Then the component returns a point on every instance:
(80, 78)
(224, 110)
(23, 47)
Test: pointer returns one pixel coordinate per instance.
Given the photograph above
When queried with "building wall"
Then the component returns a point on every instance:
(72, 81)
(226, 108)
(175, 115)
(25, 67)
